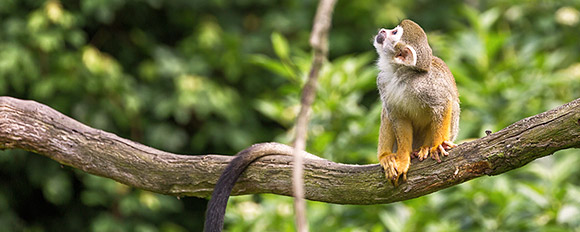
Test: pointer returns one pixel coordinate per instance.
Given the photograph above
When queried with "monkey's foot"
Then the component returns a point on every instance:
(441, 149)
(395, 165)
(422, 153)
(448, 145)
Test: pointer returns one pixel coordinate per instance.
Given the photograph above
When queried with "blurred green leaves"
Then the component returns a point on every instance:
(516, 71)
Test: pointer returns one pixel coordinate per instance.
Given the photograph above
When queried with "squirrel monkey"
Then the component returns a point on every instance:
(420, 115)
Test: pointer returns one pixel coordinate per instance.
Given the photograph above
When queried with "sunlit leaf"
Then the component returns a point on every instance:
(280, 45)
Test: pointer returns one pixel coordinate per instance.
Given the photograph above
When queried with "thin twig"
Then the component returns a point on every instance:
(319, 43)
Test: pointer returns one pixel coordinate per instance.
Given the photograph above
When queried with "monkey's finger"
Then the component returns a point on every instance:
(435, 156)
(392, 167)
(393, 173)
(448, 145)
(387, 170)
(389, 173)
(395, 181)
(443, 151)
(415, 154)
(423, 153)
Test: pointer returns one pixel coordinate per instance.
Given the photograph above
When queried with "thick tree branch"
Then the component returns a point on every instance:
(38, 128)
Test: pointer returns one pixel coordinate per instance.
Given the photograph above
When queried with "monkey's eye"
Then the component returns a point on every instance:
(394, 32)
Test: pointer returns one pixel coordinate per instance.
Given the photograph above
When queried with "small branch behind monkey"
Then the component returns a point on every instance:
(319, 43)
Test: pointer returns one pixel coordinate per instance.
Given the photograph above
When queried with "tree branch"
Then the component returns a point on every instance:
(38, 128)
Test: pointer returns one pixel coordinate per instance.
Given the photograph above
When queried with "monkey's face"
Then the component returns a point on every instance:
(386, 39)
(404, 45)
(392, 49)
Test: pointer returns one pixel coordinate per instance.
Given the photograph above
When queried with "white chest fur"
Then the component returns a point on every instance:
(397, 96)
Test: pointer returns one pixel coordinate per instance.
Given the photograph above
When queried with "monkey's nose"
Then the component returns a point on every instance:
(381, 36)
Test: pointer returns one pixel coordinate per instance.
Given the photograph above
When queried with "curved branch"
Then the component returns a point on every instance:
(38, 128)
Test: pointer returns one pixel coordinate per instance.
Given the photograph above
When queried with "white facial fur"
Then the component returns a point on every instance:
(391, 37)
(385, 48)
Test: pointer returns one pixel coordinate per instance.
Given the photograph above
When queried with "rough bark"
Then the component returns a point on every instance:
(38, 128)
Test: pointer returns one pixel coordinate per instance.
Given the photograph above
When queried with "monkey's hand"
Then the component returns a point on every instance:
(395, 165)
(441, 149)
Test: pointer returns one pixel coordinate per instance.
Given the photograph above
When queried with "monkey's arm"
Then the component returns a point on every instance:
(386, 136)
(399, 131)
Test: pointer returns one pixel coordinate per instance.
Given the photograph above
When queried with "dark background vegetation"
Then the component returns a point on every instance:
(199, 77)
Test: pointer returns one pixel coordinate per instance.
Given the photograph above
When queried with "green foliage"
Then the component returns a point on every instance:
(198, 77)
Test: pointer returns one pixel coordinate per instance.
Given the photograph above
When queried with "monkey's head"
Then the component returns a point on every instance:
(405, 44)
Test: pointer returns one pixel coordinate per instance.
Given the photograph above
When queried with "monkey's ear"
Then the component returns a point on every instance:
(405, 54)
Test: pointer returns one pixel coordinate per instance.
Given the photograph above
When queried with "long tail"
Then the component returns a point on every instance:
(216, 208)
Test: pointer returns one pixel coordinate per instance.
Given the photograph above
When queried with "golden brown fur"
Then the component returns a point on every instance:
(420, 113)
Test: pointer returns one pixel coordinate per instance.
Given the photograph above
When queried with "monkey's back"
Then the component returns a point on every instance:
(446, 83)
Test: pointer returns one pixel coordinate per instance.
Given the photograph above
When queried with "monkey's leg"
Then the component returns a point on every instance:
(441, 134)
(386, 137)
(397, 164)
